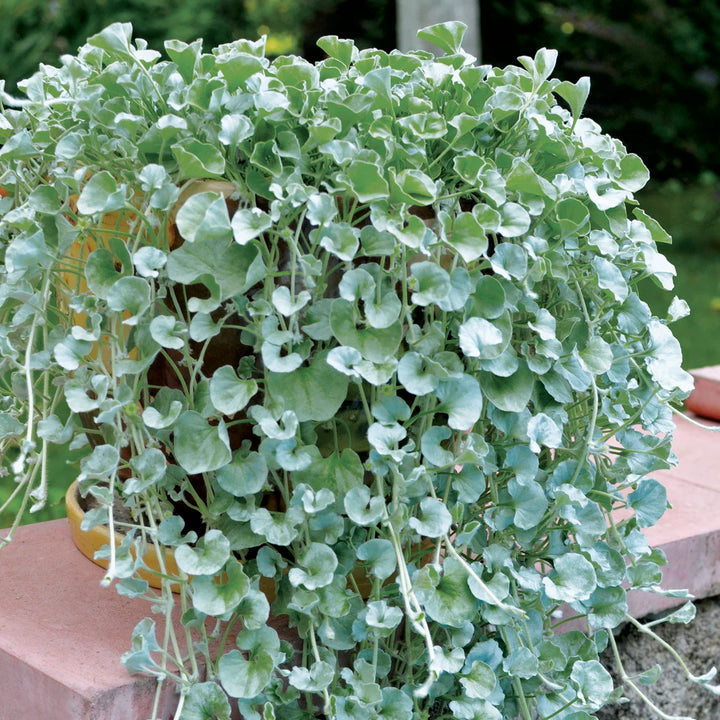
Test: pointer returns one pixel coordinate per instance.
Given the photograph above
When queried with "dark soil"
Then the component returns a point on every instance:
(697, 643)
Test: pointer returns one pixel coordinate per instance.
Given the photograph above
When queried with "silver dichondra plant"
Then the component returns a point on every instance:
(361, 341)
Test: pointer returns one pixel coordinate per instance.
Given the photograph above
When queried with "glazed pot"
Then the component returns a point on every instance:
(88, 542)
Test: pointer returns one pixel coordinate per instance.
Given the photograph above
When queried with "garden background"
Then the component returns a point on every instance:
(655, 85)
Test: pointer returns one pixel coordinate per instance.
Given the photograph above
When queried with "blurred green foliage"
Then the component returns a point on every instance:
(653, 64)
(35, 31)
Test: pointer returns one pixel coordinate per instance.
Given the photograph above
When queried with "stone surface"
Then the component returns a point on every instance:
(62, 635)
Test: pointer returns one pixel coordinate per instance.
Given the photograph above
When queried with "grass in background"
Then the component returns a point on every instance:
(691, 214)
(698, 283)
(62, 473)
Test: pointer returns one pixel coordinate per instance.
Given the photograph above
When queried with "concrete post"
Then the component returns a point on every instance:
(415, 14)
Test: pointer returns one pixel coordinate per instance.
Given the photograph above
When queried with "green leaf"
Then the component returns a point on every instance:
(380, 555)
(315, 567)
(151, 466)
(659, 235)
(684, 614)
(244, 476)
(361, 508)
(448, 36)
(228, 393)
(510, 261)
(217, 598)
(511, 394)
(412, 186)
(435, 521)
(593, 681)
(266, 157)
(197, 159)
(115, 39)
(277, 528)
(633, 173)
(101, 194)
(208, 556)
(83, 396)
(521, 662)
(204, 216)
(44, 199)
(313, 393)
(233, 268)
(249, 223)
(18, 147)
(285, 304)
(415, 372)
(375, 344)
(235, 128)
(143, 644)
(573, 217)
(530, 503)
(206, 701)
(575, 94)
(665, 359)
(101, 273)
(541, 66)
(543, 430)
(468, 235)
(603, 192)
(446, 595)
(609, 607)
(342, 50)
(367, 182)
(523, 178)
(339, 472)
(481, 339)
(70, 352)
(148, 260)
(649, 502)
(425, 126)
(461, 399)
(315, 679)
(431, 447)
(430, 283)
(609, 277)
(165, 410)
(184, 56)
(480, 681)
(198, 446)
(340, 239)
(382, 618)
(321, 209)
(515, 220)
(170, 532)
(573, 579)
(168, 332)
(597, 356)
(129, 294)
(237, 67)
(245, 678)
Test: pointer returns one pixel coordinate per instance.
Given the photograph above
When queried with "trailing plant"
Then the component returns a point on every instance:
(361, 341)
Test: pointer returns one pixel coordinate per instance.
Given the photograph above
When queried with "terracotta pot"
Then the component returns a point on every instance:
(704, 400)
(88, 542)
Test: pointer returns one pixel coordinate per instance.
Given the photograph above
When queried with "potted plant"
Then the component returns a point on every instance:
(364, 331)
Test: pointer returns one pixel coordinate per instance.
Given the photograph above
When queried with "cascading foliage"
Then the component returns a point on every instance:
(394, 368)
